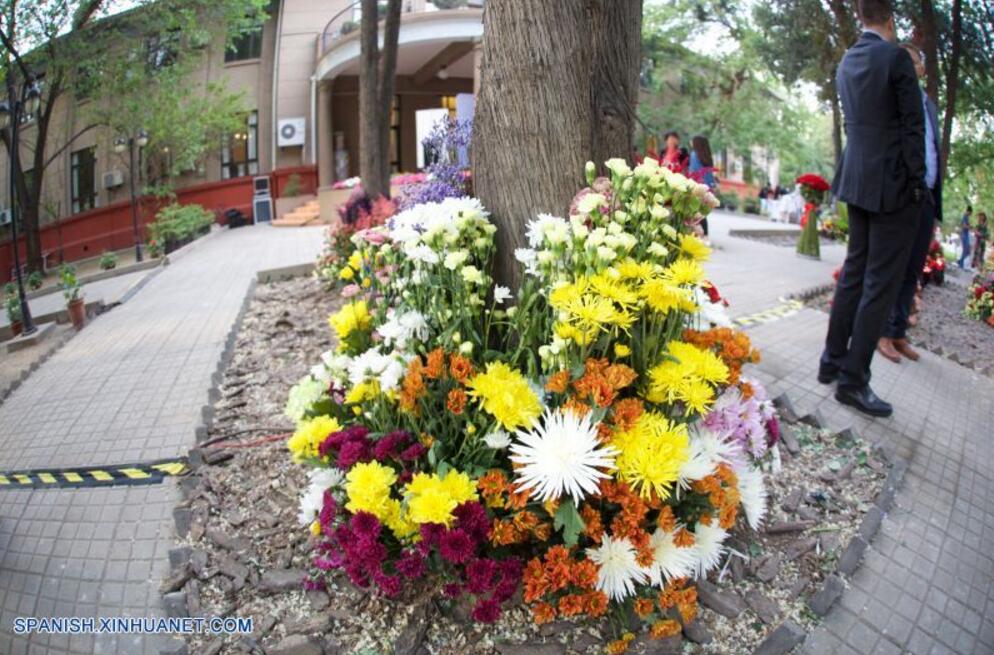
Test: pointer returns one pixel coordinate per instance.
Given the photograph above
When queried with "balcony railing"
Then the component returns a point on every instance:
(346, 21)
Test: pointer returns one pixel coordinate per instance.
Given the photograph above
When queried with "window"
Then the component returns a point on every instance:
(247, 45)
(162, 50)
(83, 179)
(240, 152)
(394, 148)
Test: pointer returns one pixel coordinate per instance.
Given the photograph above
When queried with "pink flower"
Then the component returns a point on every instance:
(452, 590)
(351, 290)
(389, 584)
(480, 575)
(413, 452)
(373, 236)
(486, 611)
(473, 519)
(352, 453)
(411, 564)
(456, 546)
(365, 524)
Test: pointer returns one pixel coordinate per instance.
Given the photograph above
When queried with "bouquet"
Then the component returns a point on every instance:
(589, 440)
(813, 188)
(980, 302)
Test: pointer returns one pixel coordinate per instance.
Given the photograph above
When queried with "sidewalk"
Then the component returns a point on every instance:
(128, 388)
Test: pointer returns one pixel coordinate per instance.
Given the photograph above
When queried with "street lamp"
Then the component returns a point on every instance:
(12, 112)
(139, 140)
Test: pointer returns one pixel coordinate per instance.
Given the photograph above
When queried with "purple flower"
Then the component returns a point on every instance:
(486, 611)
(456, 546)
(353, 452)
(364, 524)
(388, 584)
(480, 575)
(773, 426)
(329, 509)
(388, 445)
(411, 564)
(413, 452)
(473, 519)
(452, 590)
(430, 532)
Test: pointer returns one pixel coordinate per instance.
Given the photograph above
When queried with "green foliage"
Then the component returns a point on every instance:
(12, 303)
(569, 521)
(751, 205)
(35, 280)
(69, 283)
(108, 260)
(178, 223)
(293, 186)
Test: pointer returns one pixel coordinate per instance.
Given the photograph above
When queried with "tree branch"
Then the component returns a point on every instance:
(69, 143)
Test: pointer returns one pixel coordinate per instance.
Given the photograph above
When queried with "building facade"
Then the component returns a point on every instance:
(298, 74)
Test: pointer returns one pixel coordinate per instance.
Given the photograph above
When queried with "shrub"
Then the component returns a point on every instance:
(154, 249)
(11, 303)
(729, 201)
(293, 186)
(176, 224)
(108, 260)
(35, 280)
(751, 206)
(449, 4)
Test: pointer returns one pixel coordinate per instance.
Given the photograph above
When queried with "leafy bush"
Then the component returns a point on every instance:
(449, 4)
(108, 260)
(751, 206)
(176, 224)
(293, 186)
(729, 201)
(35, 280)
(11, 303)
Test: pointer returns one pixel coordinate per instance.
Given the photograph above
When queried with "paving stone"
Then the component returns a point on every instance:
(782, 640)
(297, 645)
(823, 599)
(727, 603)
(851, 556)
(764, 608)
(278, 580)
(697, 633)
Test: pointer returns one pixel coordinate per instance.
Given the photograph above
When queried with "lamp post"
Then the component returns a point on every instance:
(139, 140)
(12, 111)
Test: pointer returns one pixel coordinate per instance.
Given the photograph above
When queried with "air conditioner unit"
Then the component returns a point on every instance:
(291, 132)
(113, 179)
(5, 217)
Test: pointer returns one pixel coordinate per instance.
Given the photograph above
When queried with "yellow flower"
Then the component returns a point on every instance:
(355, 260)
(362, 392)
(595, 312)
(684, 271)
(353, 316)
(431, 499)
(567, 332)
(347, 273)
(614, 290)
(664, 296)
(309, 435)
(694, 247)
(651, 454)
(315, 527)
(505, 394)
(696, 395)
(633, 270)
(367, 486)
(621, 350)
(568, 293)
(685, 375)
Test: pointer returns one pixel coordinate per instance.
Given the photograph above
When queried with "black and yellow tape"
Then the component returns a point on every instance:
(781, 310)
(94, 476)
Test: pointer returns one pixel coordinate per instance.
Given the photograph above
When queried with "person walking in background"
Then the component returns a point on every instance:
(701, 168)
(674, 157)
(881, 178)
(894, 343)
(981, 235)
(964, 236)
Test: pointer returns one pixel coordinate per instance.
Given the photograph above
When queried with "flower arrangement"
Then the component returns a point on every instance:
(813, 188)
(589, 440)
(980, 302)
(340, 261)
(444, 176)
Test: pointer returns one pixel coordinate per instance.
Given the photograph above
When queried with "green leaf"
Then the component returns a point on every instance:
(568, 520)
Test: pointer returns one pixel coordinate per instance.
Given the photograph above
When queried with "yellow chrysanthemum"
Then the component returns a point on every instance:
(633, 270)
(694, 247)
(696, 395)
(355, 260)
(699, 361)
(309, 435)
(651, 454)
(362, 392)
(353, 316)
(569, 332)
(684, 272)
(346, 274)
(597, 312)
(367, 486)
(565, 294)
(621, 350)
(505, 394)
(664, 297)
(684, 375)
(398, 522)
(614, 290)
(431, 499)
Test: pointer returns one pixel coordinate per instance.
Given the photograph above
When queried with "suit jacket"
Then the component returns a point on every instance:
(932, 115)
(884, 159)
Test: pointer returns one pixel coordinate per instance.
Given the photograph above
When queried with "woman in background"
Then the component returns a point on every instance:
(701, 168)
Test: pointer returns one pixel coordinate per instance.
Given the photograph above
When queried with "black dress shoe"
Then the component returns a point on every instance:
(826, 376)
(865, 401)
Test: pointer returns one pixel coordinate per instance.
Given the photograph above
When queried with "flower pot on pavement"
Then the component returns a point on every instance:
(77, 313)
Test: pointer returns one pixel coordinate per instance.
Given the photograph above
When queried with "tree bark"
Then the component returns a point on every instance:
(548, 105)
(929, 45)
(952, 82)
(370, 166)
(388, 83)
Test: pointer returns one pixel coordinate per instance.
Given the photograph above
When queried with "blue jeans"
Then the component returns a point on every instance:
(964, 238)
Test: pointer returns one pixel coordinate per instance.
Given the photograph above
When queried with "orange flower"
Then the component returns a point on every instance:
(525, 521)
(592, 525)
(664, 628)
(542, 531)
(619, 376)
(492, 482)
(534, 581)
(571, 605)
(558, 382)
(602, 393)
(557, 567)
(595, 603)
(460, 367)
(666, 520)
(584, 574)
(456, 401)
(644, 607)
(576, 406)
(517, 499)
(683, 538)
(543, 613)
(436, 364)
(687, 604)
(726, 518)
(502, 533)
(626, 412)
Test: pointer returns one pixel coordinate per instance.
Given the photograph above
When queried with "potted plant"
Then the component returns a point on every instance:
(153, 248)
(35, 280)
(108, 260)
(12, 304)
(73, 293)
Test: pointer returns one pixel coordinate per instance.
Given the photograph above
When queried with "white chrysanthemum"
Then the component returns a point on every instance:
(752, 491)
(421, 253)
(312, 500)
(617, 570)
(497, 440)
(401, 328)
(708, 547)
(669, 561)
(501, 294)
(562, 455)
(387, 369)
(302, 395)
(707, 450)
(547, 229)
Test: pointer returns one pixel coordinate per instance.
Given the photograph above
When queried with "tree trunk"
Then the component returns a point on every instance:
(548, 105)
(370, 151)
(952, 82)
(929, 45)
(388, 82)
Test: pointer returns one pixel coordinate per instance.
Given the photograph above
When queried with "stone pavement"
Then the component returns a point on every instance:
(927, 582)
(128, 388)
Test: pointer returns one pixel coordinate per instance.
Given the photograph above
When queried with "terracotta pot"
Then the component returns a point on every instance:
(16, 327)
(77, 313)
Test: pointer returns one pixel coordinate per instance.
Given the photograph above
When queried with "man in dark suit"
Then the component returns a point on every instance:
(881, 177)
(894, 343)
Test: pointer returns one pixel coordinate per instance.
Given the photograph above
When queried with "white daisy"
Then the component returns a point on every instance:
(400, 328)
(708, 547)
(497, 440)
(501, 294)
(669, 561)
(752, 491)
(312, 500)
(707, 450)
(617, 570)
(562, 455)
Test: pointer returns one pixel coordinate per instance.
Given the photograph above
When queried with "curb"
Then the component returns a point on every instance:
(102, 275)
(788, 635)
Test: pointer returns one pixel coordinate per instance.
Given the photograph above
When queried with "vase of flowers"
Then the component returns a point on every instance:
(813, 188)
